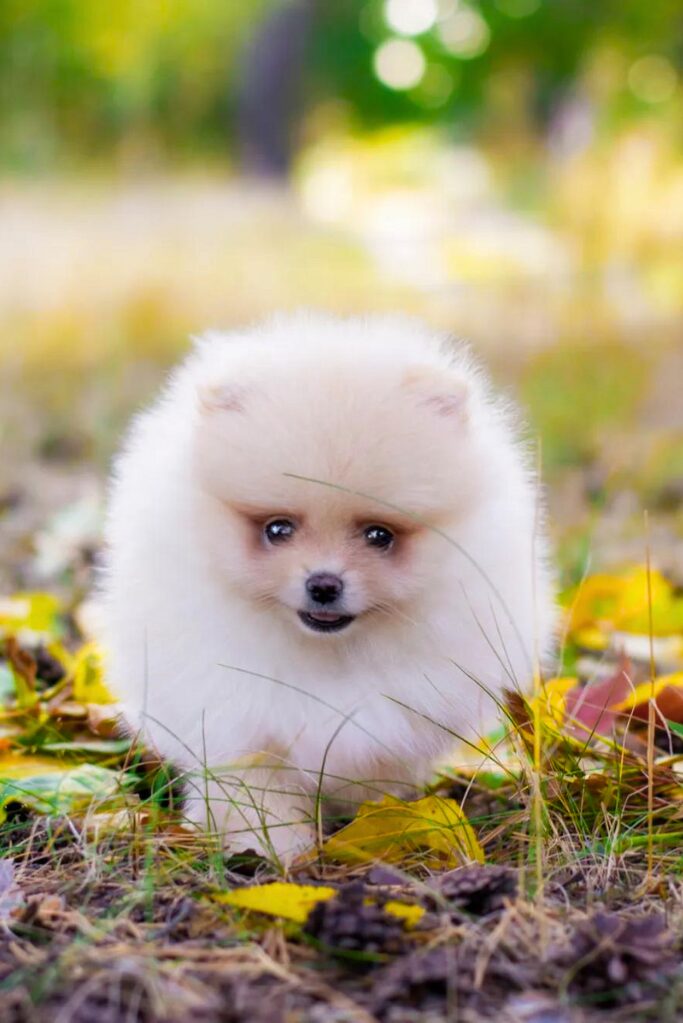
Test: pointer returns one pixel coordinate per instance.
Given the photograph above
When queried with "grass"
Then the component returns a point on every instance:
(113, 909)
(109, 908)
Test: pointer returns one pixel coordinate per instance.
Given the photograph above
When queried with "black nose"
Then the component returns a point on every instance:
(324, 588)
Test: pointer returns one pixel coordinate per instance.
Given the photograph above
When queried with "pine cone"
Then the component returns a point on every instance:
(346, 924)
(432, 980)
(49, 669)
(619, 958)
(420, 980)
(476, 890)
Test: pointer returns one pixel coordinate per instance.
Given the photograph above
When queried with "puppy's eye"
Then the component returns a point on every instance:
(378, 536)
(279, 530)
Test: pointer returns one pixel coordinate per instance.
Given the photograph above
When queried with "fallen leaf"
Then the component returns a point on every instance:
(409, 913)
(551, 701)
(23, 668)
(435, 828)
(590, 637)
(46, 785)
(279, 898)
(294, 902)
(89, 747)
(30, 615)
(87, 676)
(591, 709)
(666, 691)
(624, 602)
(579, 710)
(352, 924)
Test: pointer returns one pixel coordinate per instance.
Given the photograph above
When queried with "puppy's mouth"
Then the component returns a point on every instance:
(325, 621)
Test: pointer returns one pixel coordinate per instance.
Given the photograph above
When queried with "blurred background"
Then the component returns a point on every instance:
(511, 170)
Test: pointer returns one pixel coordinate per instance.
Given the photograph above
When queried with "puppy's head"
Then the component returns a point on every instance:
(326, 483)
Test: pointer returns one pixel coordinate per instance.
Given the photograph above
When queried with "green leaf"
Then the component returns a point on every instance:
(7, 687)
(48, 786)
(676, 727)
(86, 747)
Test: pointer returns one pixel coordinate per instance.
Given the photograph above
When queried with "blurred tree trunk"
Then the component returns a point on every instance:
(271, 89)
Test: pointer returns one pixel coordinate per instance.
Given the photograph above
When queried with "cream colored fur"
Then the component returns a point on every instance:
(336, 424)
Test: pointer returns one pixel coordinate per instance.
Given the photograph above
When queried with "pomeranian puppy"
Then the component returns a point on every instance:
(326, 560)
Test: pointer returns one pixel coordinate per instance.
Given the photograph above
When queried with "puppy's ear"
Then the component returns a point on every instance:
(445, 395)
(222, 397)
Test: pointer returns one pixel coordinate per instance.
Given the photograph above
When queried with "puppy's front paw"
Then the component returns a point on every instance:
(262, 817)
(282, 843)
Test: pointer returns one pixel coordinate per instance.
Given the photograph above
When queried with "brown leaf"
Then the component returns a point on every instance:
(24, 668)
(669, 703)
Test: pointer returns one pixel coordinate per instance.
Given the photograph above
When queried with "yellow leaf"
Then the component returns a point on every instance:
(633, 612)
(61, 654)
(295, 901)
(625, 602)
(552, 699)
(88, 676)
(590, 637)
(433, 829)
(594, 599)
(16, 766)
(650, 690)
(411, 915)
(279, 898)
(29, 612)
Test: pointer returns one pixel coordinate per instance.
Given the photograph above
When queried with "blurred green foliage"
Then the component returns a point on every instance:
(536, 47)
(81, 79)
(576, 394)
(81, 76)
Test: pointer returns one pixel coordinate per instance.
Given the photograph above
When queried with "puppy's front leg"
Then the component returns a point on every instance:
(258, 804)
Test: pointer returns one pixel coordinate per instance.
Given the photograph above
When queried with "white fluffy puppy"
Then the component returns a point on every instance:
(325, 560)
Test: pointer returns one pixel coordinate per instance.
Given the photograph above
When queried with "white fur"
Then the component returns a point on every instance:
(382, 419)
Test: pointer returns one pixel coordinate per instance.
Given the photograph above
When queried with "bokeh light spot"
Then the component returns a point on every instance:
(436, 87)
(411, 17)
(652, 79)
(399, 64)
(465, 33)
